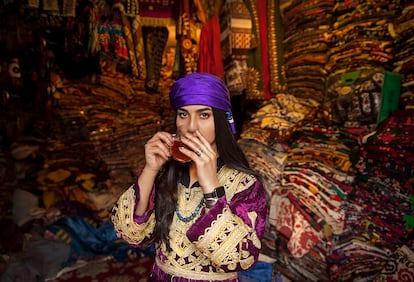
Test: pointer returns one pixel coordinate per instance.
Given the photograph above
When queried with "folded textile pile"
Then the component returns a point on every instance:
(359, 36)
(402, 31)
(116, 123)
(340, 198)
(400, 266)
(305, 25)
(93, 148)
(278, 118)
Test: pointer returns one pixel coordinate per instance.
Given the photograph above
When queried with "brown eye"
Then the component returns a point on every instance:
(182, 114)
(204, 115)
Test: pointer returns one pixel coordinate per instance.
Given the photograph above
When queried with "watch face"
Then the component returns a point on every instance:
(177, 154)
(220, 192)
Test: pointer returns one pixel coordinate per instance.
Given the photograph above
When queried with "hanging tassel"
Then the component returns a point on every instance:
(231, 122)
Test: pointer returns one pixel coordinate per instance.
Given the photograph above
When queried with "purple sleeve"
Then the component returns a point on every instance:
(143, 218)
(251, 200)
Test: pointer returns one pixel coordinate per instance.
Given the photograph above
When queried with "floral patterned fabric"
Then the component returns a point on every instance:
(399, 268)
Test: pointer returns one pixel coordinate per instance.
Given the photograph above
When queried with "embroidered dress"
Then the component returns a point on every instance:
(207, 245)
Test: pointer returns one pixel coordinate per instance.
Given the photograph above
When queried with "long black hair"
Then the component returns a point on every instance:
(167, 180)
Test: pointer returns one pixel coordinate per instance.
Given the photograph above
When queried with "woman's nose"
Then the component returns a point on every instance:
(192, 125)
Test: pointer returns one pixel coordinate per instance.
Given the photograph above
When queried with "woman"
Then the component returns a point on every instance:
(206, 216)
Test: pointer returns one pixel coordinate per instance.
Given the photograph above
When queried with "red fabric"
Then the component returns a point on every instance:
(262, 15)
(210, 58)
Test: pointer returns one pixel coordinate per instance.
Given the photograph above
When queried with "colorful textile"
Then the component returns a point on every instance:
(400, 267)
(237, 41)
(263, 40)
(112, 38)
(362, 98)
(133, 270)
(236, 31)
(126, 28)
(396, 131)
(282, 116)
(187, 34)
(291, 223)
(132, 8)
(139, 47)
(86, 238)
(277, 74)
(306, 26)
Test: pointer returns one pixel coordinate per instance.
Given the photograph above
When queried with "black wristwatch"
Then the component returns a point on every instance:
(217, 193)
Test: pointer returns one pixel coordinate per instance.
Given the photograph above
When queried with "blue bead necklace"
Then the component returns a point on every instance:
(192, 216)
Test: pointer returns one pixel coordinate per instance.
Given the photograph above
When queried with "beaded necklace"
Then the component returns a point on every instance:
(193, 215)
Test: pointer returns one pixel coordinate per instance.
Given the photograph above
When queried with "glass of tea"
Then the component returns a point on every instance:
(175, 151)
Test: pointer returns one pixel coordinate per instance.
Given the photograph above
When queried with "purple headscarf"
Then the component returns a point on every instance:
(202, 89)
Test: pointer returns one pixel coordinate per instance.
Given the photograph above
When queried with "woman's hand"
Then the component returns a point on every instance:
(205, 159)
(157, 150)
(156, 154)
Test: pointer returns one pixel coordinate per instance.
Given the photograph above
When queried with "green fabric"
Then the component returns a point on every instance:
(409, 219)
(389, 84)
(350, 78)
(390, 95)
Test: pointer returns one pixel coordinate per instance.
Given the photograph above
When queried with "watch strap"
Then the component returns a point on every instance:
(217, 193)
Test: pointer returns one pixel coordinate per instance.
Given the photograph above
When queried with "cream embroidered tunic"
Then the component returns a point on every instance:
(209, 245)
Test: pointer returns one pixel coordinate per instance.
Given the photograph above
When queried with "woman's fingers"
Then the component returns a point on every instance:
(203, 140)
(198, 144)
(200, 149)
(157, 149)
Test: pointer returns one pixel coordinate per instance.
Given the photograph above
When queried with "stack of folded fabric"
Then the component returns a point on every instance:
(403, 33)
(361, 59)
(340, 191)
(278, 118)
(306, 45)
(115, 123)
(359, 37)
(340, 203)
(380, 210)
(93, 149)
(400, 266)
(308, 209)
(265, 141)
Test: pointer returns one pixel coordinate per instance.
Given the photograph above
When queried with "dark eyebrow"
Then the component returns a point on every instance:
(199, 110)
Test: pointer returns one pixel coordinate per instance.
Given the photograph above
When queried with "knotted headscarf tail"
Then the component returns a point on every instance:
(202, 89)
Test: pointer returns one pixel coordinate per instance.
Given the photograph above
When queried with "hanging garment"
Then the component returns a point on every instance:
(236, 41)
(210, 58)
(156, 39)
